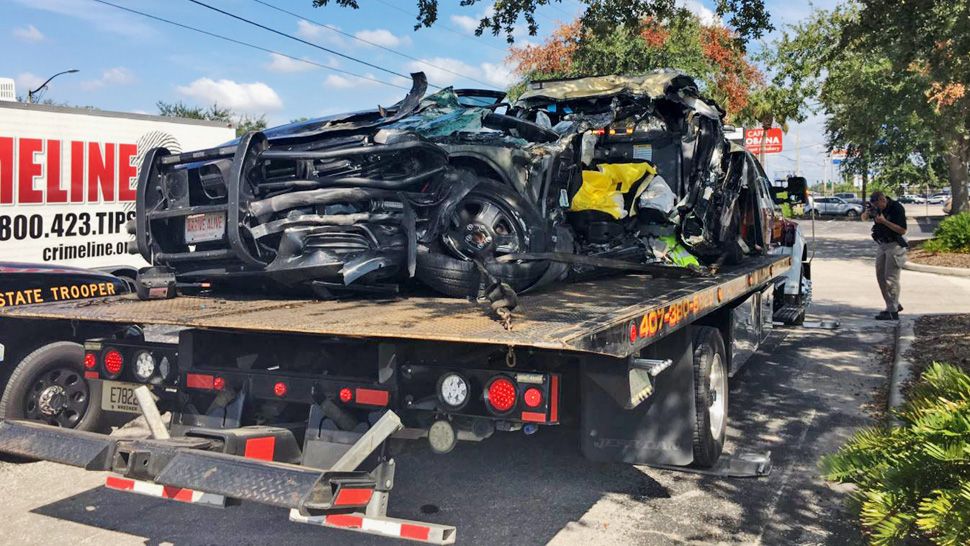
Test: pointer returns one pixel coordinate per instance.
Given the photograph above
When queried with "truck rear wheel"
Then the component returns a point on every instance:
(710, 396)
(48, 385)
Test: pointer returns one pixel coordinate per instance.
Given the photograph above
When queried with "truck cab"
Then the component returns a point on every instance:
(41, 364)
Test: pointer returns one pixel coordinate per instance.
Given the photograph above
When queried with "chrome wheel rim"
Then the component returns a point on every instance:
(717, 387)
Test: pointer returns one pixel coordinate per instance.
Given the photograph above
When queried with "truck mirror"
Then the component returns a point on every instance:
(797, 189)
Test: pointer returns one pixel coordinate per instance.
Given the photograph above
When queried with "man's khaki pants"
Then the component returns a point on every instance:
(889, 261)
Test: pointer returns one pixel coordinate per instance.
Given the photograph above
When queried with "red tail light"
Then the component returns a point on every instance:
(532, 397)
(218, 383)
(90, 361)
(113, 363)
(280, 389)
(500, 394)
(346, 395)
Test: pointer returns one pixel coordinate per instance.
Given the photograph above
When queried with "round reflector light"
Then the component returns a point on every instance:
(346, 395)
(280, 389)
(90, 362)
(113, 362)
(500, 394)
(144, 366)
(218, 383)
(532, 397)
(453, 390)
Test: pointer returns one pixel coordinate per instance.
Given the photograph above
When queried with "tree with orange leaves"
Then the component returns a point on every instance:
(712, 54)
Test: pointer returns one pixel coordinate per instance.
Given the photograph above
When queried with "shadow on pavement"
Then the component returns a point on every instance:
(508, 490)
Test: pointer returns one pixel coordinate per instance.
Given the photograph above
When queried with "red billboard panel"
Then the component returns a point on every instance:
(772, 141)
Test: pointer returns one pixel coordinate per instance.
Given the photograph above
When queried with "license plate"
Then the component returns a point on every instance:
(210, 226)
(118, 396)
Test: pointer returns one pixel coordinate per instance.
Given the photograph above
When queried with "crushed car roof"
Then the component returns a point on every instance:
(654, 85)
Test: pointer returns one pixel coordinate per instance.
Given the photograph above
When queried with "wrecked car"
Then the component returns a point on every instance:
(462, 191)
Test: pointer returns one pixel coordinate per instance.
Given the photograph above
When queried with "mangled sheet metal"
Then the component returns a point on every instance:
(575, 179)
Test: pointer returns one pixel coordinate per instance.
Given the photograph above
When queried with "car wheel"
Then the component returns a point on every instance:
(710, 396)
(493, 220)
(852, 213)
(48, 385)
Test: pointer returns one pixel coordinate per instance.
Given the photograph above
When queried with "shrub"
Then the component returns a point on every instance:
(914, 480)
(953, 235)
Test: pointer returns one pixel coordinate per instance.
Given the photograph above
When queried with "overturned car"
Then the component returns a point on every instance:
(462, 192)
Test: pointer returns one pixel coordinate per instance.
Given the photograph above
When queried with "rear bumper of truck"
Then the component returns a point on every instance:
(187, 469)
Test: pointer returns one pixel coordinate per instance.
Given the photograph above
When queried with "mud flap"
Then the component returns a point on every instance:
(742, 465)
(616, 427)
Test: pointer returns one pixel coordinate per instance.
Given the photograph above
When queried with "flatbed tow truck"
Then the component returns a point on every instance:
(298, 403)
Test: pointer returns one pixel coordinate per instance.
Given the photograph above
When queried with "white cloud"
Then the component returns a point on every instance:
(100, 16)
(28, 33)
(316, 33)
(118, 75)
(445, 70)
(280, 63)
(705, 14)
(383, 37)
(27, 81)
(464, 22)
(335, 81)
(499, 75)
(254, 97)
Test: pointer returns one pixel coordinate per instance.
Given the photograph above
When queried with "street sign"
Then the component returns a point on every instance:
(838, 156)
(772, 141)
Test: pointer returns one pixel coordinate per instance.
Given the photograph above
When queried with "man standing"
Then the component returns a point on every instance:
(888, 228)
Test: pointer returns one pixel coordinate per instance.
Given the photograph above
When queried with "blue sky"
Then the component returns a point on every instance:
(127, 62)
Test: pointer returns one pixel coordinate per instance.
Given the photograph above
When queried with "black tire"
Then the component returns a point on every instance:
(54, 368)
(461, 279)
(851, 213)
(447, 275)
(711, 427)
(442, 269)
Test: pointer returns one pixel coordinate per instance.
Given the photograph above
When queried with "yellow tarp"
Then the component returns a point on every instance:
(603, 190)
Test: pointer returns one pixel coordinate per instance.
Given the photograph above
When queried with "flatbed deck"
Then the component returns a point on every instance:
(613, 316)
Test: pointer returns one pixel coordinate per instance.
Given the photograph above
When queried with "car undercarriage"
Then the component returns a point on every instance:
(462, 192)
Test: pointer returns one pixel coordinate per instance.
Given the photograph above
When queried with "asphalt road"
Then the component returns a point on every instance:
(800, 398)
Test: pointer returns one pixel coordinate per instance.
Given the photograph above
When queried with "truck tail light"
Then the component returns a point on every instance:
(280, 389)
(113, 363)
(500, 395)
(532, 397)
(204, 382)
(90, 361)
(346, 395)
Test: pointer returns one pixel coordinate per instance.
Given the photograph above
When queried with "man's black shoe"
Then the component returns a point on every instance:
(900, 310)
(886, 315)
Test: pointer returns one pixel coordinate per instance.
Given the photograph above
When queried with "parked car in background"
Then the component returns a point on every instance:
(911, 199)
(847, 196)
(938, 199)
(833, 206)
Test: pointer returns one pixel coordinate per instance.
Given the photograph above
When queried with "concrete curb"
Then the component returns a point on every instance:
(902, 367)
(938, 270)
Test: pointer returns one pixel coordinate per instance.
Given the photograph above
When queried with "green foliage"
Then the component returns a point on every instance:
(953, 235)
(748, 17)
(914, 480)
(244, 123)
(894, 82)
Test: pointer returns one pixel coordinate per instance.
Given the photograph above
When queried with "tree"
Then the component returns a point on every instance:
(748, 18)
(243, 123)
(893, 102)
(928, 42)
(710, 54)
